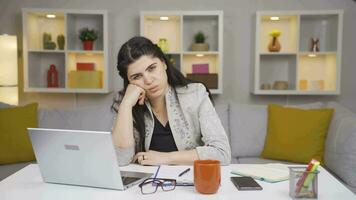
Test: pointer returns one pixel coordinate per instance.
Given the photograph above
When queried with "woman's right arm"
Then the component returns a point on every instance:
(123, 131)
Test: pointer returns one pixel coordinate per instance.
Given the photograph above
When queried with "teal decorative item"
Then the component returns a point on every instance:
(47, 41)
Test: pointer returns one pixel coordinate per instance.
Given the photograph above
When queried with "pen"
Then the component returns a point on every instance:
(155, 176)
(184, 172)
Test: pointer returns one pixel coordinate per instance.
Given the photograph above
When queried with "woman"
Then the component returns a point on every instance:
(162, 117)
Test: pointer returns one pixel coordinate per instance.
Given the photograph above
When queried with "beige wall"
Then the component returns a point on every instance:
(238, 43)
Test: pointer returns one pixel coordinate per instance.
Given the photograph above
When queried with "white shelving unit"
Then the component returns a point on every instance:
(179, 31)
(306, 72)
(37, 59)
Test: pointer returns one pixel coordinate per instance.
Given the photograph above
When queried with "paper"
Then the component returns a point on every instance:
(273, 172)
(172, 172)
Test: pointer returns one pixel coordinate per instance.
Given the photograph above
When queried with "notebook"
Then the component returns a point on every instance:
(173, 172)
(84, 158)
(272, 172)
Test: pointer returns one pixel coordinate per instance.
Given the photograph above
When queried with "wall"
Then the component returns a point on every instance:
(239, 23)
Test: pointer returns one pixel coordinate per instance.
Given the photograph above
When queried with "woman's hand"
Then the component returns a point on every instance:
(133, 94)
(152, 158)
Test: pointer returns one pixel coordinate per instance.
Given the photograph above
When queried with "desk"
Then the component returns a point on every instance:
(27, 184)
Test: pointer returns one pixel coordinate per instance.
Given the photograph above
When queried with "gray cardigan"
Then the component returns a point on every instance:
(194, 124)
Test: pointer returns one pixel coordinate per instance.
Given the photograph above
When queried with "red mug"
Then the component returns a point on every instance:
(207, 176)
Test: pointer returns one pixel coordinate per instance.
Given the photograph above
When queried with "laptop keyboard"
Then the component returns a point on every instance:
(128, 180)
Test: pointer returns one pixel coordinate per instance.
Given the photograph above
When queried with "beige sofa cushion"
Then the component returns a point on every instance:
(340, 146)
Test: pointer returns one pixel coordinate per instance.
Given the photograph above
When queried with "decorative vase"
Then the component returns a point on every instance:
(52, 77)
(274, 45)
(88, 45)
(60, 41)
(199, 47)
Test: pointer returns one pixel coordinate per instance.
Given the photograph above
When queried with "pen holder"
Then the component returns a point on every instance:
(303, 184)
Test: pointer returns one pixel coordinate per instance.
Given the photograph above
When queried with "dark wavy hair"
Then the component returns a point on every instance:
(130, 52)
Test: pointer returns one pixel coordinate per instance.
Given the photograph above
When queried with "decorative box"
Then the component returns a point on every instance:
(200, 68)
(85, 66)
(209, 80)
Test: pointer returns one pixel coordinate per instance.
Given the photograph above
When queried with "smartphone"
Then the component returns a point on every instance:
(245, 183)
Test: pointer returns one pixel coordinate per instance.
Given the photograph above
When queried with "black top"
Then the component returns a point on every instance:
(162, 138)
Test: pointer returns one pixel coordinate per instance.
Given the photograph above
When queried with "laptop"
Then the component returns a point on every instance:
(77, 157)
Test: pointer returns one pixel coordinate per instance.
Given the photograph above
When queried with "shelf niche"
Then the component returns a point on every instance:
(170, 29)
(39, 64)
(38, 24)
(208, 25)
(323, 27)
(278, 68)
(319, 72)
(75, 22)
(287, 24)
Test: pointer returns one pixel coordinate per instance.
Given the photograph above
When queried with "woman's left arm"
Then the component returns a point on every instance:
(186, 157)
(216, 144)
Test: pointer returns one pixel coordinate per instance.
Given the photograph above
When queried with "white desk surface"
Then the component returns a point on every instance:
(27, 184)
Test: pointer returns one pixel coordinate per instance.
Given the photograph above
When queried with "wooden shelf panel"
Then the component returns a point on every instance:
(294, 92)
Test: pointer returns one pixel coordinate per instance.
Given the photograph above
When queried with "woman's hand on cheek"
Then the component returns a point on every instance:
(152, 158)
(133, 94)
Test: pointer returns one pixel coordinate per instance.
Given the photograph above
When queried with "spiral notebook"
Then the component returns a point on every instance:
(272, 172)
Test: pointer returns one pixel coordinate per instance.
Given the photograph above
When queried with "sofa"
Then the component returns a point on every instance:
(245, 125)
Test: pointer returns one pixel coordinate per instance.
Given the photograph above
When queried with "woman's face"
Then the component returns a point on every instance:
(150, 74)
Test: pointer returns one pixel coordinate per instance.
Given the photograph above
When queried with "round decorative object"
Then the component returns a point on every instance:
(280, 85)
(265, 86)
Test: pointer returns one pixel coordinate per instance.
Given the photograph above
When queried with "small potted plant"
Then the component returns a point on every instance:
(199, 42)
(87, 36)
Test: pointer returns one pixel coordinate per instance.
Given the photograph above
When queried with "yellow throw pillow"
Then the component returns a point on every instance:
(296, 135)
(15, 144)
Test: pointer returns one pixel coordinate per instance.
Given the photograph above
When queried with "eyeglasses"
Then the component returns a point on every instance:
(150, 185)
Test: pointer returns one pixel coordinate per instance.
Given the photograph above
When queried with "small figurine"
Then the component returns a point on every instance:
(52, 77)
(314, 44)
